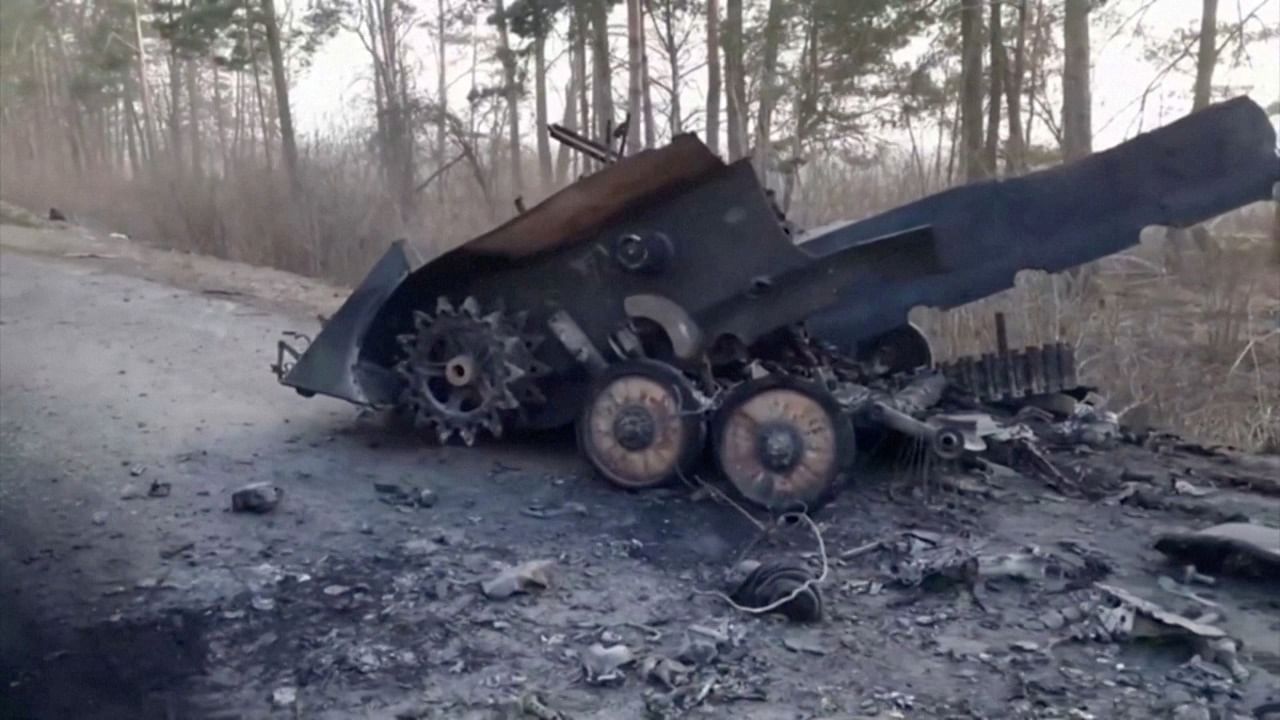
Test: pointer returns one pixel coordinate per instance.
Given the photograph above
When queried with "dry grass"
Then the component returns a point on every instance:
(1193, 333)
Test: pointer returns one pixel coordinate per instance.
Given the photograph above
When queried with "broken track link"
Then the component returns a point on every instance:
(1014, 375)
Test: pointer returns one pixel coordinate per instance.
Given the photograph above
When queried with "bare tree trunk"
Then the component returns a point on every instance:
(971, 90)
(193, 118)
(540, 101)
(1208, 55)
(135, 161)
(635, 75)
(1015, 158)
(580, 28)
(259, 96)
(667, 34)
(735, 80)
(996, 97)
(442, 92)
(601, 88)
(713, 75)
(570, 117)
(148, 111)
(219, 116)
(508, 59)
(768, 96)
(650, 132)
(288, 143)
(1077, 104)
(175, 111)
(806, 105)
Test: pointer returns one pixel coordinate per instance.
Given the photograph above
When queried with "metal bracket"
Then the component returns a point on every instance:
(287, 355)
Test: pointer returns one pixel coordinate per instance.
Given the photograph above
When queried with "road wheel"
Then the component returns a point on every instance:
(782, 442)
(641, 426)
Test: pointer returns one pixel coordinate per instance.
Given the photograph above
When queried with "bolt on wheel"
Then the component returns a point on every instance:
(782, 443)
(640, 427)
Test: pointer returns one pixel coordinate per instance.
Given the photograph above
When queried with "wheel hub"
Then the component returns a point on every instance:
(460, 371)
(780, 447)
(634, 428)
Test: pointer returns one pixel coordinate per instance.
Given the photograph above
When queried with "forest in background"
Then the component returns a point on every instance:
(171, 121)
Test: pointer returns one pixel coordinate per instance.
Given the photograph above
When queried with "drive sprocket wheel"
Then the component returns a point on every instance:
(641, 425)
(782, 442)
(465, 371)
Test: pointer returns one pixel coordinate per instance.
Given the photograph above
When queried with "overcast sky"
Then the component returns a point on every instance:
(334, 90)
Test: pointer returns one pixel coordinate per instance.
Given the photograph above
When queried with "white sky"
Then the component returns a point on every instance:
(334, 89)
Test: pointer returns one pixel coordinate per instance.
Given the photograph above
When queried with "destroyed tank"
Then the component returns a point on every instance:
(664, 307)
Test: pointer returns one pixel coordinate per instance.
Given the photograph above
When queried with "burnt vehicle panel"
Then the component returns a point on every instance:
(663, 305)
(1194, 169)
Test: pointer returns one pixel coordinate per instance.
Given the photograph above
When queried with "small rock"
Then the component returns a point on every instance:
(283, 697)
(137, 470)
(1191, 711)
(263, 604)
(1025, 646)
(100, 517)
(801, 644)
(426, 498)
(1053, 620)
(159, 489)
(419, 546)
(604, 664)
(697, 651)
(260, 497)
(335, 590)
(523, 578)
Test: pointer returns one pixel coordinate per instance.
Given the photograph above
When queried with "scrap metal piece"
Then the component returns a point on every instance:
(782, 442)
(331, 364)
(1198, 167)
(640, 427)
(1002, 377)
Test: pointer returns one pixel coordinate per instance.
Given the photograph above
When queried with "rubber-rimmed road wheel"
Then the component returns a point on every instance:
(782, 442)
(641, 425)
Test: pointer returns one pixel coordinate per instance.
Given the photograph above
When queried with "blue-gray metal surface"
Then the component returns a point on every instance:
(1201, 166)
(330, 366)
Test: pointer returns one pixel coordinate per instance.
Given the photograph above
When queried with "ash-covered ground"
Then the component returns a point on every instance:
(135, 399)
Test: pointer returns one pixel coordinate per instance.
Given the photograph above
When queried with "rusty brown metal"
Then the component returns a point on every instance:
(587, 204)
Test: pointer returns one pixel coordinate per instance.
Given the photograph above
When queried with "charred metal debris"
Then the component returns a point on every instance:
(664, 307)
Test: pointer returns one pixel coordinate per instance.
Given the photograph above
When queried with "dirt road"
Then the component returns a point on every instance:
(353, 601)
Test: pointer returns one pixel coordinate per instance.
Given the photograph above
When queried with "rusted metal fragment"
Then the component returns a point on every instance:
(582, 207)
